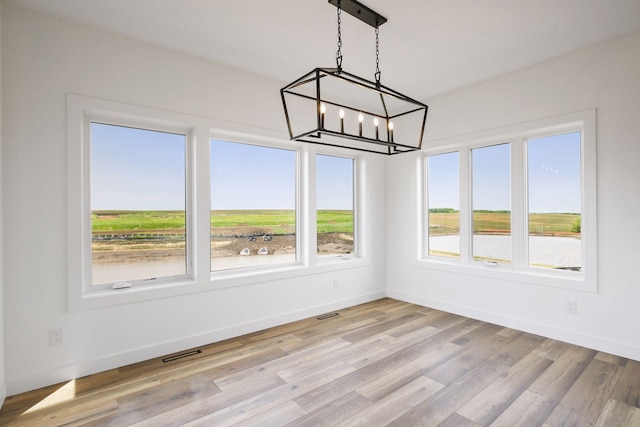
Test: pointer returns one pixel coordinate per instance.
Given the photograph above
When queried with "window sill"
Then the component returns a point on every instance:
(101, 298)
(249, 276)
(551, 278)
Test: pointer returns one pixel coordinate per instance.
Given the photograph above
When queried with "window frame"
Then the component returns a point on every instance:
(299, 209)
(189, 206)
(425, 246)
(357, 219)
(518, 270)
(82, 295)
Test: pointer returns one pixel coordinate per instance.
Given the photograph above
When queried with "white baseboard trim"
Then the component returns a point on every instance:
(81, 369)
(545, 330)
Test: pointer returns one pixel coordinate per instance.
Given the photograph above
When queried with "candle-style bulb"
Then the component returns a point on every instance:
(341, 114)
(360, 120)
(361, 117)
(323, 109)
(376, 123)
(391, 131)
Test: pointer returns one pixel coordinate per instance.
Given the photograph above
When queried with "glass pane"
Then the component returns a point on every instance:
(253, 202)
(443, 193)
(335, 195)
(491, 203)
(137, 204)
(554, 202)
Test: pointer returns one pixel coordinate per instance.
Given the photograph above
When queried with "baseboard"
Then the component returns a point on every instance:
(545, 330)
(66, 373)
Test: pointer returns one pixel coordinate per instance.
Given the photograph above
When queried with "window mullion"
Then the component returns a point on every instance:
(465, 205)
(518, 204)
(307, 205)
(198, 162)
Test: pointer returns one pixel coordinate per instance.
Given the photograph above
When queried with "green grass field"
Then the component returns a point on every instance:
(497, 222)
(222, 222)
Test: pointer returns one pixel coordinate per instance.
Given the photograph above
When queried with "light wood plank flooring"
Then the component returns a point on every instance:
(382, 363)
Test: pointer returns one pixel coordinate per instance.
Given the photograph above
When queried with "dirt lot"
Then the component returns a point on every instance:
(328, 243)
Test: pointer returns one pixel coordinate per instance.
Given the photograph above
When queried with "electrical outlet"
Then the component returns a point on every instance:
(55, 337)
(572, 307)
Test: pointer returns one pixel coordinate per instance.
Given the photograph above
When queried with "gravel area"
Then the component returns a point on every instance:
(555, 252)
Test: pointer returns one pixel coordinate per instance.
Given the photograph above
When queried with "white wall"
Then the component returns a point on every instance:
(3, 384)
(604, 77)
(44, 59)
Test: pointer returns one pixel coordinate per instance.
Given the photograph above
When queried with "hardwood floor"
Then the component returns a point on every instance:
(382, 363)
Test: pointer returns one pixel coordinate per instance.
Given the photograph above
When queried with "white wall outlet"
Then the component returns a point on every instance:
(572, 307)
(55, 337)
(336, 284)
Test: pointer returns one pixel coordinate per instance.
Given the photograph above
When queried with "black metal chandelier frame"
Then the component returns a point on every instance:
(384, 144)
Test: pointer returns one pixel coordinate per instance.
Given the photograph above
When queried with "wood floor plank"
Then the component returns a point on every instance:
(381, 363)
(360, 360)
(518, 348)
(466, 361)
(241, 378)
(294, 371)
(619, 414)
(334, 412)
(139, 406)
(380, 327)
(610, 358)
(457, 420)
(251, 404)
(493, 400)
(583, 403)
(368, 373)
(551, 349)
(425, 321)
(627, 390)
(394, 404)
(219, 366)
(198, 408)
(563, 373)
(403, 374)
(275, 417)
(443, 404)
(90, 402)
(528, 410)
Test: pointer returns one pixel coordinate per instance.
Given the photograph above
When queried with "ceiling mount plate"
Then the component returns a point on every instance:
(360, 11)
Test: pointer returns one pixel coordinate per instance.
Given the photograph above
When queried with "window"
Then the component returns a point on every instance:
(162, 204)
(527, 206)
(138, 204)
(443, 203)
(553, 168)
(491, 203)
(253, 205)
(335, 205)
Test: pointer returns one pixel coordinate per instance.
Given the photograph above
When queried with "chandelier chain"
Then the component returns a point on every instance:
(377, 74)
(339, 52)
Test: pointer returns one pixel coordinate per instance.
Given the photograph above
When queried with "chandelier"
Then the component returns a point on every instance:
(329, 106)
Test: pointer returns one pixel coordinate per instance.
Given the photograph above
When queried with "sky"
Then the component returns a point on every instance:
(553, 176)
(135, 169)
(334, 183)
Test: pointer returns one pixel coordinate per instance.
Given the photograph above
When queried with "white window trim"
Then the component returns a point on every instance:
(358, 202)
(82, 295)
(517, 270)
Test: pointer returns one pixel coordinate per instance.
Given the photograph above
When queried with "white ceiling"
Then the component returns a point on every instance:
(427, 47)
